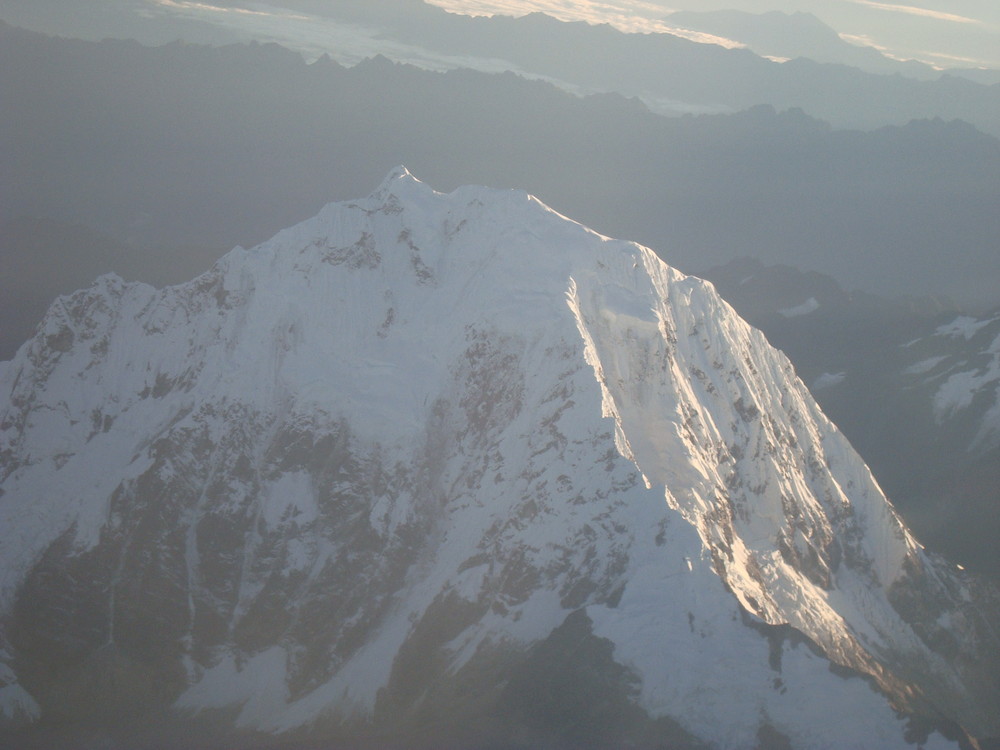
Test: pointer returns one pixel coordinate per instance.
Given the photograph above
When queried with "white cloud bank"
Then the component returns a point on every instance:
(914, 11)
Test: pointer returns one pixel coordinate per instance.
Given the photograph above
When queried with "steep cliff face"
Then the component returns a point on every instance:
(455, 468)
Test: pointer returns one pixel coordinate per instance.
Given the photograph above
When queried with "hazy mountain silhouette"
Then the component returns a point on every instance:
(792, 35)
(670, 73)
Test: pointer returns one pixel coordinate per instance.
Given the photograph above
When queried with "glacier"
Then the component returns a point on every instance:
(365, 477)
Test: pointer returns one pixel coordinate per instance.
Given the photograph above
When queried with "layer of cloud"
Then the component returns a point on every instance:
(633, 17)
(914, 11)
(184, 5)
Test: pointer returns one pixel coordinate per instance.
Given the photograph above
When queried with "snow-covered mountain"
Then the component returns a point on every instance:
(947, 391)
(453, 470)
(959, 363)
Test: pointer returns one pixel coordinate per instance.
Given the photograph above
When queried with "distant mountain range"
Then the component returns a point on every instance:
(786, 36)
(670, 74)
(942, 33)
(844, 85)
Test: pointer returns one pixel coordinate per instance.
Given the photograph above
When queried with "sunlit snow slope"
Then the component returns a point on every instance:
(375, 473)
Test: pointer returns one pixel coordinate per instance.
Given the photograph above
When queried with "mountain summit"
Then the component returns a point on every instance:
(453, 470)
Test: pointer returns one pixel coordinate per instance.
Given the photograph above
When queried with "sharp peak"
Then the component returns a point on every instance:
(400, 184)
(399, 179)
(399, 172)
